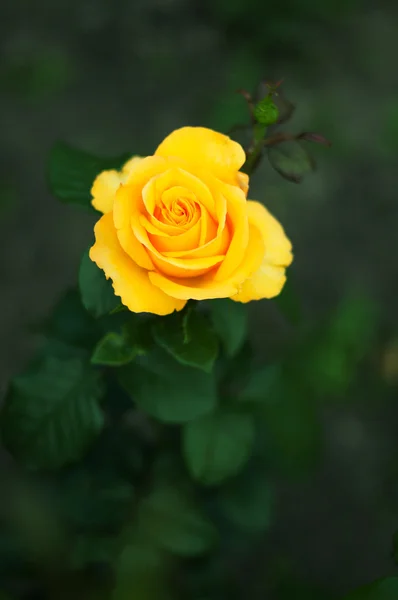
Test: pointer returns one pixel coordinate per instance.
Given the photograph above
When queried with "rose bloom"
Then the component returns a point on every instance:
(178, 226)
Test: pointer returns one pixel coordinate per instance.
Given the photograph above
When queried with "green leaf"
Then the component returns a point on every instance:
(96, 291)
(230, 321)
(259, 384)
(72, 173)
(383, 589)
(52, 413)
(71, 323)
(189, 338)
(169, 518)
(247, 501)
(94, 501)
(167, 390)
(117, 349)
(218, 445)
(290, 160)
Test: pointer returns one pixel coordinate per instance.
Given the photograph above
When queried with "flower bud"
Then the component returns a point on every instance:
(266, 112)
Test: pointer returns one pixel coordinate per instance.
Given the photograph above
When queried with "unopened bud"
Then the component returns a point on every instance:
(265, 112)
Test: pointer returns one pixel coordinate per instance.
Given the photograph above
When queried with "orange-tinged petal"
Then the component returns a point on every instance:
(152, 225)
(218, 245)
(205, 148)
(206, 287)
(190, 268)
(176, 176)
(136, 251)
(174, 267)
(238, 225)
(269, 279)
(187, 240)
(121, 218)
(130, 282)
(104, 190)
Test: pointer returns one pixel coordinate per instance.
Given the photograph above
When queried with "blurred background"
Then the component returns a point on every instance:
(111, 76)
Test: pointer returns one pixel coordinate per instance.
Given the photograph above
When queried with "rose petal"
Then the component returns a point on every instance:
(130, 282)
(104, 190)
(106, 184)
(269, 279)
(278, 248)
(238, 226)
(128, 241)
(174, 267)
(209, 149)
(175, 176)
(207, 287)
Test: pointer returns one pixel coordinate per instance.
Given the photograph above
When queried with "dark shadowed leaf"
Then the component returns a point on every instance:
(93, 501)
(96, 291)
(230, 321)
(118, 348)
(52, 413)
(72, 173)
(218, 445)
(173, 522)
(168, 390)
(71, 323)
(290, 160)
(190, 338)
(247, 500)
(113, 351)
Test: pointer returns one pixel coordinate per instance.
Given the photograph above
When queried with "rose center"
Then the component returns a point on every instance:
(176, 206)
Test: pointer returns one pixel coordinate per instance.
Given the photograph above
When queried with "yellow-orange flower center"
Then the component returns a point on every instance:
(177, 206)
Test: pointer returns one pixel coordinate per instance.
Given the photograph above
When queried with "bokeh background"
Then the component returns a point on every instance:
(111, 76)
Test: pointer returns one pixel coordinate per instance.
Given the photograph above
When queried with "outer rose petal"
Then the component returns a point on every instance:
(104, 190)
(130, 282)
(269, 279)
(203, 147)
(203, 288)
(127, 240)
(107, 183)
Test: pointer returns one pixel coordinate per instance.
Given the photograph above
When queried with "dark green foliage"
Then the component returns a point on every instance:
(157, 443)
(52, 413)
(291, 160)
(166, 389)
(230, 323)
(217, 446)
(188, 337)
(96, 291)
(72, 173)
(171, 521)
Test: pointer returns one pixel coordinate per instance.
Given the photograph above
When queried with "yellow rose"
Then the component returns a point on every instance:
(177, 226)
